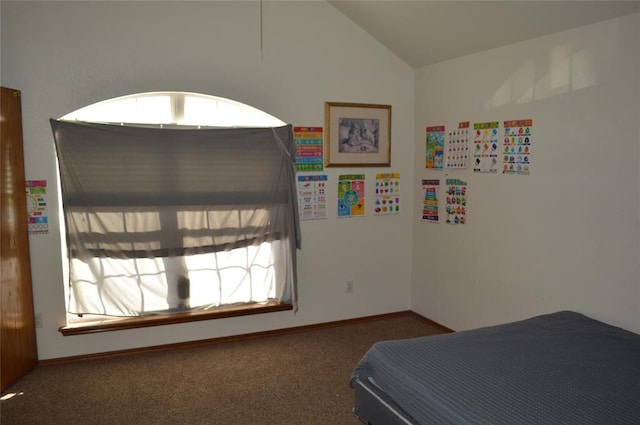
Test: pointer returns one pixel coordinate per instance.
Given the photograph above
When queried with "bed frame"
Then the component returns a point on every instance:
(373, 407)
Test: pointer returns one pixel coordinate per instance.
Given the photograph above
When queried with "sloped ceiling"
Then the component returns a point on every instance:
(424, 32)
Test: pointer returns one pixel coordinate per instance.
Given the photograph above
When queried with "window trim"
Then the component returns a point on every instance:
(119, 324)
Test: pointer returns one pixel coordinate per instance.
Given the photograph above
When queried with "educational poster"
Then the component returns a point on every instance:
(435, 147)
(38, 222)
(351, 195)
(456, 201)
(309, 149)
(458, 147)
(312, 199)
(485, 154)
(430, 202)
(387, 194)
(517, 147)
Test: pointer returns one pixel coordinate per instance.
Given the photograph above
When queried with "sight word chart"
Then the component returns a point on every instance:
(458, 147)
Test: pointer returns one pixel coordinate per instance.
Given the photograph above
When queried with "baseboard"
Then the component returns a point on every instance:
(420, 317)
(243, 337)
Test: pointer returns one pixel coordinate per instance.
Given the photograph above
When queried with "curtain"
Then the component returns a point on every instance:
(147, 210)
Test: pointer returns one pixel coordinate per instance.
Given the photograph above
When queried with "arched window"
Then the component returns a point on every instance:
(176, 202)
(174, 109)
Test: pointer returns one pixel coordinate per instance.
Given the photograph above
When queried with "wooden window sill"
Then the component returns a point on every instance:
(118, 324)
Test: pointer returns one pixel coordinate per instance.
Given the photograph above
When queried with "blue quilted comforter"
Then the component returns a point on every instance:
(560, 368)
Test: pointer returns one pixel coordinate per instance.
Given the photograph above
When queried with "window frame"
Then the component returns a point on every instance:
(99, 323)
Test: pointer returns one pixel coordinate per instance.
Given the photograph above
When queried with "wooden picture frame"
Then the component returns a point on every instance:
(357, 135)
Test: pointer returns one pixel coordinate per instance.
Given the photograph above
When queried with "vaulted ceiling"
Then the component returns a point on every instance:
(424, 32)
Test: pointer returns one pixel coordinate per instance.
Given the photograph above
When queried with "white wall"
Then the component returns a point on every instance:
(565, 237)
(66, 55)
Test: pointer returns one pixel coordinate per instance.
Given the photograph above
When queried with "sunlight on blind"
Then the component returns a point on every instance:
(148, 285)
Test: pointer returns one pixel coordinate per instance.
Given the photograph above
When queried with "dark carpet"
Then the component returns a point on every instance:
(295, 378)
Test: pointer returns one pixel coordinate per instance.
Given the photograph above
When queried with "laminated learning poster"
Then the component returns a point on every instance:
(485, 154)
(351, 195)
(309, 149)
(430, 203)
(456, 201)
(458, 146)
(38, 222)
(517, 147)
(312, 198)
(435, 147)
(387, 194)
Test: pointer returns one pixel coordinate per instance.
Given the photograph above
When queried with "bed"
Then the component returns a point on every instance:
(559, 368)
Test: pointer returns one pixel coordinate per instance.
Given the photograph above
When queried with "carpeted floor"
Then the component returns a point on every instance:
(298, 378)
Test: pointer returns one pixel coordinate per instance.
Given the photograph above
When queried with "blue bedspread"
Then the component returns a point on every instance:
(560, 368)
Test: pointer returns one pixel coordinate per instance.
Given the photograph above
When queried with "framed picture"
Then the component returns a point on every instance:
(357, 135)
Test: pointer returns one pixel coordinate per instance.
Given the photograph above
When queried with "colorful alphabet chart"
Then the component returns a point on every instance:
(312, 198)
(351, 195)
(458, 146)
(517, 147)
(38, 222)
(430, 202)
(387, 194)
(435, 147)
(485, 154)
(456, 201)
(309, 149)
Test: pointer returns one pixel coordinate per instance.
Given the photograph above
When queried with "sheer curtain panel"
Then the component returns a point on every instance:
(171, 219)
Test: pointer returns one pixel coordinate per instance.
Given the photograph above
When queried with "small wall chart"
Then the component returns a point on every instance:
(38, 222)
(351, 195)
(312, 199)
(485, 154)
(435, 147)
(456, 201)
(430, 202)
(387, 194)
(517, 147)
(309, 149)
(458, 146)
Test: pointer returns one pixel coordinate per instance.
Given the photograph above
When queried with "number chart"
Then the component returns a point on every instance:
(458, 147)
